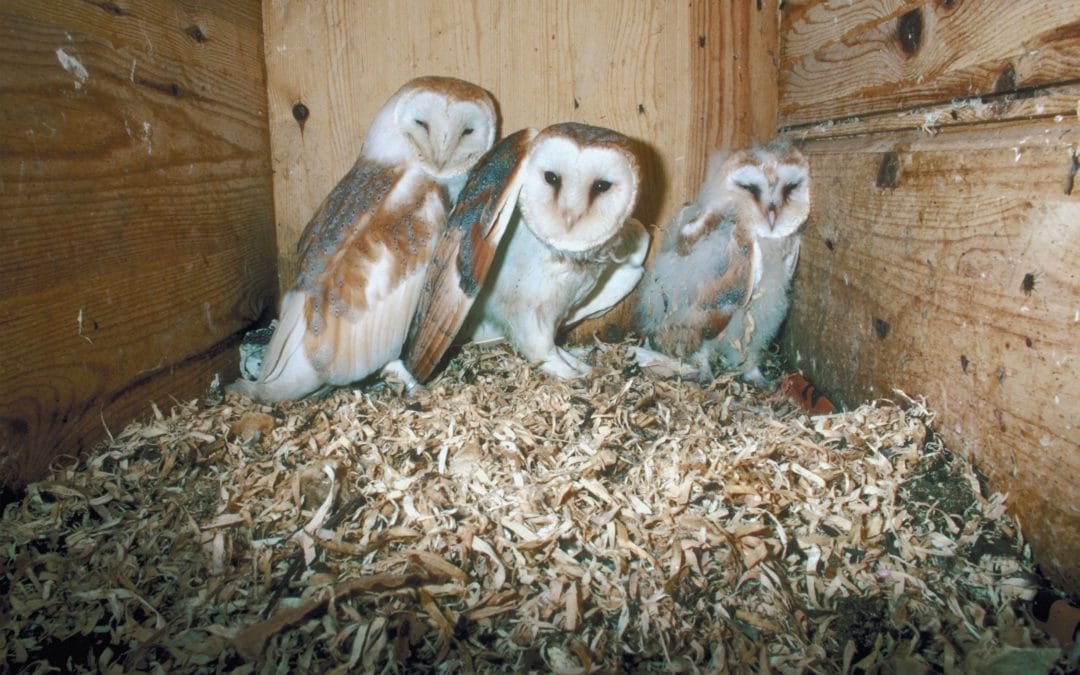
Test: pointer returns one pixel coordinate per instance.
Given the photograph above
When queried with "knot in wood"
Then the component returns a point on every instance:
(909, 31)
(888, 175)
(300, 113)
(1006, 81)
(881, 327)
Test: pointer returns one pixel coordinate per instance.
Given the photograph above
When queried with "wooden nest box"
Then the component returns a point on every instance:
(158, 161)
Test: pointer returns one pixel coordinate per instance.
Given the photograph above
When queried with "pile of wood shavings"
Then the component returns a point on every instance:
(503, 520)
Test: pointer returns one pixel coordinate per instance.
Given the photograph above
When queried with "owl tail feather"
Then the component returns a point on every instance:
(287, 373)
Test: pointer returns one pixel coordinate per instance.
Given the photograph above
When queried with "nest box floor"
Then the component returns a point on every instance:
(505, 521)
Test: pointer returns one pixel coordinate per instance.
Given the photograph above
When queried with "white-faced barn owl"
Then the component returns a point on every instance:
(364, 253)
(717, 291)
(541, 238)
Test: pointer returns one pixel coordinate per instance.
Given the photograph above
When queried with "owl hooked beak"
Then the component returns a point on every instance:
(770, 214)
(569, 218)
(440, 160)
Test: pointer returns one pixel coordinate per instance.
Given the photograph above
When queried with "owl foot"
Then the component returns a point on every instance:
(564, 365)
(572, 357)
(396, 370)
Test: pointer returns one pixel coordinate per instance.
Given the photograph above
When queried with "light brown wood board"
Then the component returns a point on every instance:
(1052, 104)
(680, 77)
(135, 202)
(946, 266)
(844, 59)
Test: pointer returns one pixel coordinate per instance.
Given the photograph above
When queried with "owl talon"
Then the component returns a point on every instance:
(396, 370)
(576, 356)
(664, 366)
(564, 366)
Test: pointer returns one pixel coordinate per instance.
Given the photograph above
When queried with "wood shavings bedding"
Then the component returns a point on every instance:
(505, 521)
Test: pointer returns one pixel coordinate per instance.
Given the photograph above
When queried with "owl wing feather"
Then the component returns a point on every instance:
(619, 279)
(699, 307)
(334, 322)
(464, 254)
(364, 255)
(363, 188)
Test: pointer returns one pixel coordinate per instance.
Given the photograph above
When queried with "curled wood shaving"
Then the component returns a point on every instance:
(504, 521)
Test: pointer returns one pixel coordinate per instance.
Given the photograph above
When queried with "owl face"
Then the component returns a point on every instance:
(441, 123)
(774, 177)
(579, 188)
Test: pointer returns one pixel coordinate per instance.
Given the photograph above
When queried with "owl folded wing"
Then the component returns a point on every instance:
(626, 268)
(465, 251)
(722, 288)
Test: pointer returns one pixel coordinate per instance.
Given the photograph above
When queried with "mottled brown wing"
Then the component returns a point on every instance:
(359, 192)
(464, 253)
(363, 259)
(725, 286)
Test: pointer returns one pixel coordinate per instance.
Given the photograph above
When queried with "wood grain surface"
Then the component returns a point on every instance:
(1051, 104)
(680, 77)
(843, 59)
(135, 203)
(946, 266)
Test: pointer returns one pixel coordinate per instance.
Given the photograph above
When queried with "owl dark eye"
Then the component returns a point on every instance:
(468, 131)
(422, 124)
(553, 179)
(791, 187)
(752, 189)
(599, 187)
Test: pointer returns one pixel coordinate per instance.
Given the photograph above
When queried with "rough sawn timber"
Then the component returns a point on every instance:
(946, 266)
(843, 59)
(135, 203)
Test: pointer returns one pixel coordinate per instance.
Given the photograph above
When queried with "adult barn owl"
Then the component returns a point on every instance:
(717, 291)
(364, 253)
(541, 238)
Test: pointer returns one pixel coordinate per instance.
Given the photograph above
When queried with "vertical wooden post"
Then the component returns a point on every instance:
(734, 70)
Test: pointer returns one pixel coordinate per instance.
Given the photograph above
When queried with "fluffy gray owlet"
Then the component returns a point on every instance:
(717, 291)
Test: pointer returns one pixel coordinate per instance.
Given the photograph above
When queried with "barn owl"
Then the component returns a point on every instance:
(717, 291)
(364, 253)
(541, 238)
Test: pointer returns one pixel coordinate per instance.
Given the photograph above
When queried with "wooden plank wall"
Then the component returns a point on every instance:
(941, 256)
(135, 206)
(681, 77)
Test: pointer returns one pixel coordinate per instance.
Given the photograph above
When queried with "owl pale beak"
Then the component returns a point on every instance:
(770, 214)
(569, 218)
(442, 156)
(440, 161)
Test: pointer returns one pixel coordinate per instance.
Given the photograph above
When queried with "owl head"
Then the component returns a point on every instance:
(773, 177)
(441, 123)
(579, 188)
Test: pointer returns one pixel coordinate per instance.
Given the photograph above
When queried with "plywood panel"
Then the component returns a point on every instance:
(844, 59)
(135, 204)
(677, 76)
(946, 266)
